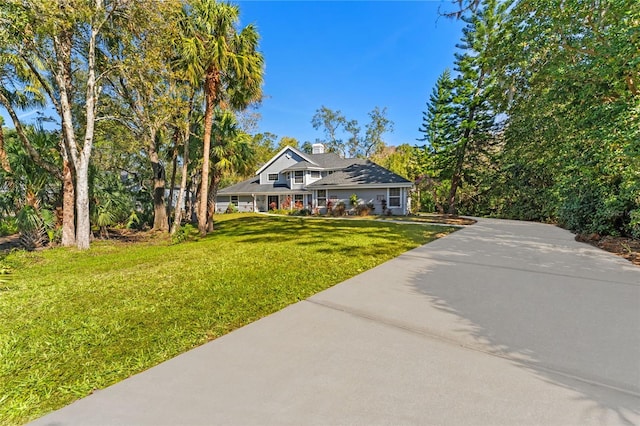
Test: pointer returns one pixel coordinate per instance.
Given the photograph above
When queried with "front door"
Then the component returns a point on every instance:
(272, 202)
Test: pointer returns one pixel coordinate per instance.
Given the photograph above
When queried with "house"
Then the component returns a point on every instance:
(296, 180)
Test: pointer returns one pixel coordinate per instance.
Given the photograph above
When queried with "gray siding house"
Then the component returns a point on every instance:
(296, 180)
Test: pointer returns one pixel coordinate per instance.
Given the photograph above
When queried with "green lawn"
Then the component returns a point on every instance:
(72, 322)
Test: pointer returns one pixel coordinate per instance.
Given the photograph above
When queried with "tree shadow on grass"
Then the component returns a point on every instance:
(309, 231)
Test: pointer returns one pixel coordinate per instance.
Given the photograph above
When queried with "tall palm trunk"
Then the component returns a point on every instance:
(216, 177)
(211, 84)
(4, 161)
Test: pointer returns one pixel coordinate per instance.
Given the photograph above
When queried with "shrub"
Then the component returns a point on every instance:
(301, 212)
(8, 226)
(184, 233)
(231, 208)
(340, 209)
(36, 226)
(362, 210)
(634, 224)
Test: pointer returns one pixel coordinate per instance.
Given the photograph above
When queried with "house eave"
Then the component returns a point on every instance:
(275, 157)
(362, 185)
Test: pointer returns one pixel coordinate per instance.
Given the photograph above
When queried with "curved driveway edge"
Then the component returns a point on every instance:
(502, 322)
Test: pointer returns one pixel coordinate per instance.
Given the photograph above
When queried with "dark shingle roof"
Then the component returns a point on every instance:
(360, 172)
(331, 160)
(301, 165)
(252, 186)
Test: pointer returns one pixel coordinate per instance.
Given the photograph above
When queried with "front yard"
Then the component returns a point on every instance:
(72, 322)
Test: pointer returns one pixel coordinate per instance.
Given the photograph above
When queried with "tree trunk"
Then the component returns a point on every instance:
(83, 226)
(211, 84)
(4, 161)
(455, 183)
(174, 169)
(160, 222)
(68, 205)
(79, 155)
(211, 199)
(183, 184)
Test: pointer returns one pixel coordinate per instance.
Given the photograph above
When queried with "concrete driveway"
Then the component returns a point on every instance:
(502, 322)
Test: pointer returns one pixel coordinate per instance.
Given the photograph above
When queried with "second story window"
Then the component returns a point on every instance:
(273, 177)
(315, 174)
(298, 176)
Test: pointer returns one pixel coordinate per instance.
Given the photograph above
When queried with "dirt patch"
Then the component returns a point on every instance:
(127, 235)
(624, 247)
(446, 219)
(9, 242)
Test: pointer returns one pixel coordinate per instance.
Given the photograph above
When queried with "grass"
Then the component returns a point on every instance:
(72, 322)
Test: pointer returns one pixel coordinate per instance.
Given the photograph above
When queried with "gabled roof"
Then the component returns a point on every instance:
(253, 186)
(360, 172)
(302, 165)
(307, 157)
(331, 161)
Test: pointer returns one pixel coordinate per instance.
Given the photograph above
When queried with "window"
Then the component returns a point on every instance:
(234, 200)
(298, 176)
(322, 197)
(273, 177)
(394, 197)
(315, 174)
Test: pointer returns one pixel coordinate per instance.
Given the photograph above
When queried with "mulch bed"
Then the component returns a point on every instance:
(9, 242)
(447, 219)
(624, 247)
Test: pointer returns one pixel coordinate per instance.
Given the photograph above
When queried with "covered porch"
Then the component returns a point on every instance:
(292, 200)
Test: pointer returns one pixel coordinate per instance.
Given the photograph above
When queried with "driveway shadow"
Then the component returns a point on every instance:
(567, 313)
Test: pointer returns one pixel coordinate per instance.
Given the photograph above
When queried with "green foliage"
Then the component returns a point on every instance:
(541, 120)
(301, 212)
(71, 322)
(8, 226)
(112, 202)
(281, 211)
(334, 126)
(185, 233)
(353, 200)
(36, 226)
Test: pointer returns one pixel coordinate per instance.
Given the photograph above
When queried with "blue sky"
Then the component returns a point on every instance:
(350, 56)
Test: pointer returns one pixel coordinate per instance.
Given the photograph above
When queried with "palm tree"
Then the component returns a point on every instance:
(231, 153)
(225, 63)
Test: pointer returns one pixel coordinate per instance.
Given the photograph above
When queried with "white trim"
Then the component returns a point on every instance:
(363, 185)
(399, 196)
